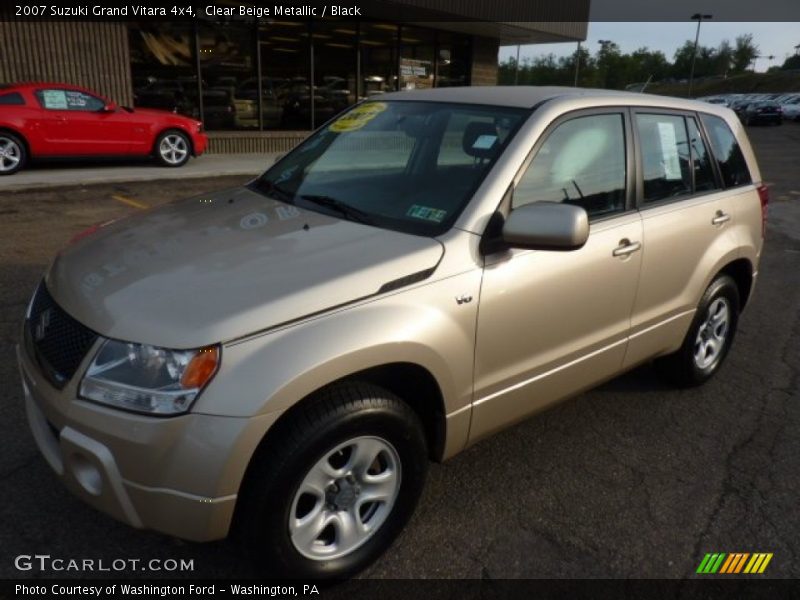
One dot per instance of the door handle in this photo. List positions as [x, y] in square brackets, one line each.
[626, 247]
[720, 218]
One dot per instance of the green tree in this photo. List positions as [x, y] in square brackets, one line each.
[744, 53]
[793, 62]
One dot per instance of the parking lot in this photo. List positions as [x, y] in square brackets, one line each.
[634, 479]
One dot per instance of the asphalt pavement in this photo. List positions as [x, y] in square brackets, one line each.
[632, 480]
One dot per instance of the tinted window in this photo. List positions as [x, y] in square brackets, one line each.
[68, 100]
[12, 98]
[582, 162]
[701, 160]
[727, 152]
[665, 156]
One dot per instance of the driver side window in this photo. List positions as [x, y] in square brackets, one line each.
[582, 162]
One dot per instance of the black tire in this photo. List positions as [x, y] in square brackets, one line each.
[12, 148]
[181, 148]
[336, 415]
[681, 368]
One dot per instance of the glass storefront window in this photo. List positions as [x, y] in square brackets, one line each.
[416, 58]
[257, 75]
[226, 51]
[163, 67]
[285, 74]
[378, 42]
[334, 67]
[452, 59]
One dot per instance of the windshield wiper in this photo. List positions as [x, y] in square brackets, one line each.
[344, 209]
[273, 189]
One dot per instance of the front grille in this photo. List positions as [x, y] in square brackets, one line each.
[56, 340]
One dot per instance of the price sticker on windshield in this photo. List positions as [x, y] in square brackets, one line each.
[358, 117]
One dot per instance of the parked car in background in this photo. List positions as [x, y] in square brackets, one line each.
[49, 120]
[283, 359]
[762, 112]
[791, 109]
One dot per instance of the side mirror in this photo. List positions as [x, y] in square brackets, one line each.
[546, 226]
[110, 107]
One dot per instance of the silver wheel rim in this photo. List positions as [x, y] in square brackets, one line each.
[345, 498]
[712, 334]
[173, 149]
[10, 154]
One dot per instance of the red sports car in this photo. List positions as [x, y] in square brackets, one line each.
[60, 120]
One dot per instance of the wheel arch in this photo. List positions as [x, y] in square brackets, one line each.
[20, 135]
[741, 271]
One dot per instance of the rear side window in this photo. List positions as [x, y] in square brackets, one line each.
[582, 162]
[666, 156]
[11, 99]
[727, 152]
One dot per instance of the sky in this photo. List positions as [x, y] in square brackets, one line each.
[778, 39]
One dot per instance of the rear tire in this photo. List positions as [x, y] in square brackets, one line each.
[709, 337]
[304, 510]
[173, 148]
[13, 153]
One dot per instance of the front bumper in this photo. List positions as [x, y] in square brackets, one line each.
[179, 476]
[199, 143]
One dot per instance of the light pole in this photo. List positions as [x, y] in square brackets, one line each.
[516, 68]
[577, 64]
[602, 64]
[699, 18]
[797, 49]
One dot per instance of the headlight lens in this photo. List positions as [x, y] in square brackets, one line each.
[148, 379]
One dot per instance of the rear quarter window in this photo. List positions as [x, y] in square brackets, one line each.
[11, 99]
[727, 152]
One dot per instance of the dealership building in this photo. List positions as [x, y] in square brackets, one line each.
[259, 83]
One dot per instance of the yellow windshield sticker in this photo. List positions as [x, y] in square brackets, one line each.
[358, 117]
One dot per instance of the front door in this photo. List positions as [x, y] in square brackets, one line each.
[551, 323]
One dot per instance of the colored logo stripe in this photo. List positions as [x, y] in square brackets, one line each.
[734, 562]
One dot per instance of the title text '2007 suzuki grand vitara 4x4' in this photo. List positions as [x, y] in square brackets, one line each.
[282, 359]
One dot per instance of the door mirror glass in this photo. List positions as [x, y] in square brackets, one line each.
[547, 226]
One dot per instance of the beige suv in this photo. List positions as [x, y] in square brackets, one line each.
[281, 360]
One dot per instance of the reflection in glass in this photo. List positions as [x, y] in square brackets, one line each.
[378, 43]
[163, 68]
[226, 61]
[285, 73]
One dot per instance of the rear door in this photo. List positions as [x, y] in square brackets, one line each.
[687, 221]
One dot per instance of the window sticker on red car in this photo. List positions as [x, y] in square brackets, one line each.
[54, 99]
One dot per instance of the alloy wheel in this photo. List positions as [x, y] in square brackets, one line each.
[713, 333]
[173, 149]
[10, 154]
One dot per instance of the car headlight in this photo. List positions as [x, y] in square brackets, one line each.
[148, 379]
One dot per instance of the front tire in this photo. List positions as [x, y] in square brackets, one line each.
[13, 153]
[173, 148]
[333, 485]
[709, 337]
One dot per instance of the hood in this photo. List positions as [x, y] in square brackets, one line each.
[222, 266]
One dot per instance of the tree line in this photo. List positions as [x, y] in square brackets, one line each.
[610, 68]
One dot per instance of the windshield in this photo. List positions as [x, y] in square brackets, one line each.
[402, 165]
